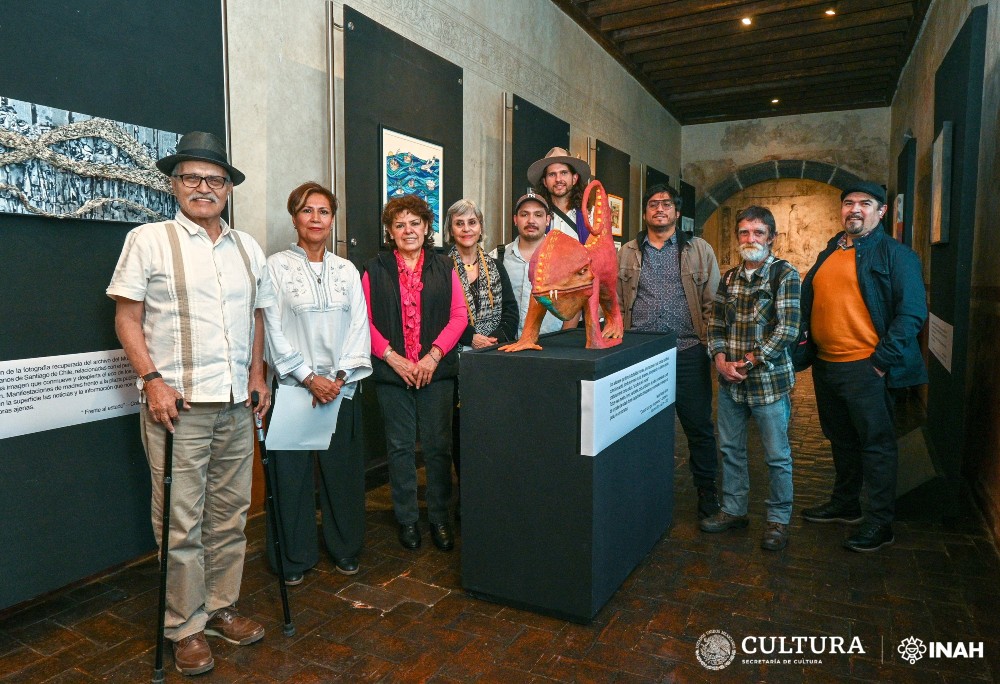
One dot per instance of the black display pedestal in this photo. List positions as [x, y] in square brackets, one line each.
[544, 527]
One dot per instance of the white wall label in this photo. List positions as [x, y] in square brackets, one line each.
[51, 392]
[618, 403]
[939, 338]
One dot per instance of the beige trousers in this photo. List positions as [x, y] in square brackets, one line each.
[209, 499]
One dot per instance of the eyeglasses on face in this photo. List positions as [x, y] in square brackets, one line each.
[657, 204]
[193, 180]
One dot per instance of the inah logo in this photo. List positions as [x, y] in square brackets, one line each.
[715, 649]
[912, 649]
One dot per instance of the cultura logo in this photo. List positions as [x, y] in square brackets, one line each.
[912, 649]
[715, 650]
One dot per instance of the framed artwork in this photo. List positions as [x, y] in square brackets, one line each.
[941, 185]
[413, 166]
[617, 205]
[62, 164]
[898, 217]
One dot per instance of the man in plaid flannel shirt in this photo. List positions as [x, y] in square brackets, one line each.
[754, 322]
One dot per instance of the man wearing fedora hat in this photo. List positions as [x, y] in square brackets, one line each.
[863, 304]
[560, 180]
[190, 294]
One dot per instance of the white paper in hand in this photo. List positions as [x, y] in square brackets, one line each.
[297, 426]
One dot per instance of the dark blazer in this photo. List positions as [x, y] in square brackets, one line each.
[892, 287]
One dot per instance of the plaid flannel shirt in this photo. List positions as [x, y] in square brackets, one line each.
[747, 319]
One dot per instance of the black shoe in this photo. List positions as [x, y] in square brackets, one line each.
[833, 513]
[442, 536]
[409, 536]
[708, 502]
[293, 579]
[722, 521]
[349, 566]
[870, 537]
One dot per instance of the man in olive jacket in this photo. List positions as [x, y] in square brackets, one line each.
[864, 303]
[667, 281]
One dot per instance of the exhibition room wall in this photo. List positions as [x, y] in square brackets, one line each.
[279, 113]
[913, 116]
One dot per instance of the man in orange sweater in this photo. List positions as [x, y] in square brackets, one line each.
[864, 303]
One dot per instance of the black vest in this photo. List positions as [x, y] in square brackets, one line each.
[387, 311]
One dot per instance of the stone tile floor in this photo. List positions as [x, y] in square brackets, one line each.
[405, 618]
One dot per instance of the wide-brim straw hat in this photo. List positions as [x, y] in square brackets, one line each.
[199, 146]
[558, 155]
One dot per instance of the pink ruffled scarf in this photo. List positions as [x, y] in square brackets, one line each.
[410, 286]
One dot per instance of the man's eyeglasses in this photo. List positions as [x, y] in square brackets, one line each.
[193, 180]
[658, 204]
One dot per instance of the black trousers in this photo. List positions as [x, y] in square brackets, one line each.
[856, 414]
[341, 490]
[694, 409]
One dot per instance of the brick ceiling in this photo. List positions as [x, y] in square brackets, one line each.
[701, 61]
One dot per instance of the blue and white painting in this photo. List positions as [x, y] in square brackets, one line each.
[63, 164]
[411, 166]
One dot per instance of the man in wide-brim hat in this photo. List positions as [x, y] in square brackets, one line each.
[190, 294]
[560, 179]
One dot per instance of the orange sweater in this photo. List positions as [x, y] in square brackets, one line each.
[840, 323]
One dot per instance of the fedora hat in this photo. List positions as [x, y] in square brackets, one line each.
[199, 146]
[558, 155]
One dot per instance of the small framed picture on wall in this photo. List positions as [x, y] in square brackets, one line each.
[412, 166]
[941, 185]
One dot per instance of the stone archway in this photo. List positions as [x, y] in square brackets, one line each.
[830, 174]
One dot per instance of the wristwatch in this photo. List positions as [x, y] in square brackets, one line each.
[148, 377]
[342, 376]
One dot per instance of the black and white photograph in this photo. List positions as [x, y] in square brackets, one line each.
[63, 164]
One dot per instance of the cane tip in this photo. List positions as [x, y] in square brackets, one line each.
[289, 629]
[158, 675]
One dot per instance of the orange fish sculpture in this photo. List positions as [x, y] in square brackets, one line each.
[568, 277]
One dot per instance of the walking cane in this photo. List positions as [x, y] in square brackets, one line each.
[168, 467]
[272, 516]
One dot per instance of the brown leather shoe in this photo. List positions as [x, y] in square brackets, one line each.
[234, 628]
[775, 536]
[192, 655]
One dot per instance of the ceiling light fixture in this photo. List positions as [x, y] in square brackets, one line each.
[746, 21]
[830, 12]
[774, 101]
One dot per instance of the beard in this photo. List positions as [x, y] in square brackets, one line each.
[754, 253]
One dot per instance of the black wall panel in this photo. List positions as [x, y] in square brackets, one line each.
[75, 501]
[612, 169]
[391, 81]
[535, 132]
[958, 96]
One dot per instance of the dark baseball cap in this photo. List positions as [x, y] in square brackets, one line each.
[531, 197]
[867, 187]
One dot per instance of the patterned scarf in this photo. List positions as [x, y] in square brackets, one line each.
[485, 320]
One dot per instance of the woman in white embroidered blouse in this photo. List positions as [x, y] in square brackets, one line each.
[318, 338]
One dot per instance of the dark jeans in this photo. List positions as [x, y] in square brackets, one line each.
[404, 411]
[856, 414]
[694, 408]
[341, 488]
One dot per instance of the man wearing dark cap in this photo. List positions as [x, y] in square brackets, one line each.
[531, 218]
[190, 294]
[863, 303]
[560, 180]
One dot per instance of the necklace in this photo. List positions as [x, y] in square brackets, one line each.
[469, 267]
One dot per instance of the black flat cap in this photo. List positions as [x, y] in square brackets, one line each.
[867, 187]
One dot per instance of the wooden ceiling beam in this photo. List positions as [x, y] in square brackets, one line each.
[770, 86]
[828, 107]
[774, 73]
[890, 34]
[787, 99]
[686, 14]
[872, 48]
[596, 9]
[767, 28]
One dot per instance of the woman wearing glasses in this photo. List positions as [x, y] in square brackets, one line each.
[317, 338]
